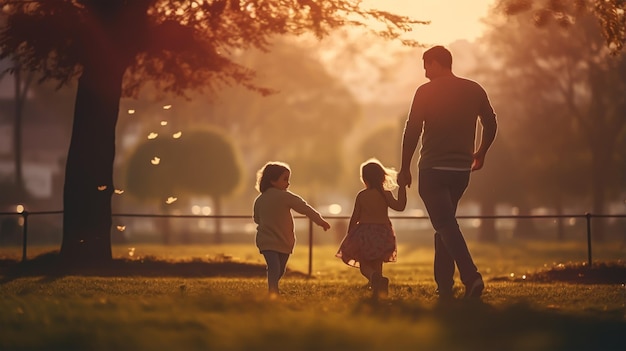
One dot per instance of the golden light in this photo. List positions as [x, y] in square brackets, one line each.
[334, 209]
[206, 210]
[167, 107]
[170, 200]
[102, 187]
[153, 135]
[177, 135]
[155, 160]
[19, 208]
[121, 228]
[163, 123]
[119, 191]
[417, 212]
[476, 223]
[131, 112]
[131, 251]
[195, 209]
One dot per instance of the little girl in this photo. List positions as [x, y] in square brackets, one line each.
[275, 236]
[371, 240]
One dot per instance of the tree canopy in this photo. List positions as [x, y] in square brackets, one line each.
[179, 45]
[610, 14]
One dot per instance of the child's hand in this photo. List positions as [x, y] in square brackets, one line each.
[325, 225]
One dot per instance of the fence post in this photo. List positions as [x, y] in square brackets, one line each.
[24, 235]
[588, 216]
[310, 248]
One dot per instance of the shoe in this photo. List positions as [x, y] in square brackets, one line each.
[445, 295]
[475, 289]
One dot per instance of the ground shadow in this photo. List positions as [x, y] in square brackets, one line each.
[49, 265]
[474, 325]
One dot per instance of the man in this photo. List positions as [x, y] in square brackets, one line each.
[444, 112]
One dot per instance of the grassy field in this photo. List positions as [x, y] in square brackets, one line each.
[184, 309]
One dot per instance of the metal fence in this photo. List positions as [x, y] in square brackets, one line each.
[588, 217]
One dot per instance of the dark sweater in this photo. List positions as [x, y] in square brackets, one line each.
[448, 109]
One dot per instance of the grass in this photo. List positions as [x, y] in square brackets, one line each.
[175, 298]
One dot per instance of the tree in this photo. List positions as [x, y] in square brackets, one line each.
[201, 162]
[568, 82]
[115, 47]
[610, 15]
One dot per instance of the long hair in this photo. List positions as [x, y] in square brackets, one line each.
[375, 175]
[269, 173]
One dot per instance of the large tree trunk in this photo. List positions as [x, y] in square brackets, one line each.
[89, 169]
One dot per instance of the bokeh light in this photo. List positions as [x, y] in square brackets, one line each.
[334, 209]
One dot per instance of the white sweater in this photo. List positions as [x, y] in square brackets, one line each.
[272, 214]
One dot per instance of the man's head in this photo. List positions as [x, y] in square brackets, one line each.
[437, 62]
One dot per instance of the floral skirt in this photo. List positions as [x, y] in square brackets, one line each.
[368, 242]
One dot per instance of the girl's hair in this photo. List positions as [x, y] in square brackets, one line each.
[270, 173]
[375, 175]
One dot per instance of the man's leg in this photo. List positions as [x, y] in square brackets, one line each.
[441, 192]
[444, 268]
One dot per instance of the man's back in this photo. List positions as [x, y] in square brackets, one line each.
[449, 107]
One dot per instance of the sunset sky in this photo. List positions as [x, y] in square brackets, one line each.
[450, 19]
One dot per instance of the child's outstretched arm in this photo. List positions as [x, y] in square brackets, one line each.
[299, 205]
[397, 204]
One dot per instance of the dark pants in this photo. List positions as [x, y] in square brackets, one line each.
[276, 267]
[441, 191]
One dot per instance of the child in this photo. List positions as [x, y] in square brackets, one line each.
[275, 236]
[371, 240]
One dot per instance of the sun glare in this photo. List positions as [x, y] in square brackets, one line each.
[155, 161]
[152, 135]
[449, 20]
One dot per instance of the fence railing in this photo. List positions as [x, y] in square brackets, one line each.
[587, 216]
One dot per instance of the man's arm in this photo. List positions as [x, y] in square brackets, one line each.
[410, 138]
[490, 127]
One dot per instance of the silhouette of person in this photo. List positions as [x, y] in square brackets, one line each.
[371, 240]
[444, 113]
[275, 236]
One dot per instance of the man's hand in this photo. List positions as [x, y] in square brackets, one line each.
[479, 161]
[404, 178]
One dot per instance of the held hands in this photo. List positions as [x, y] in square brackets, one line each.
[404, 178]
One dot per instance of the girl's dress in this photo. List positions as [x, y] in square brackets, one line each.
[368, 242]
